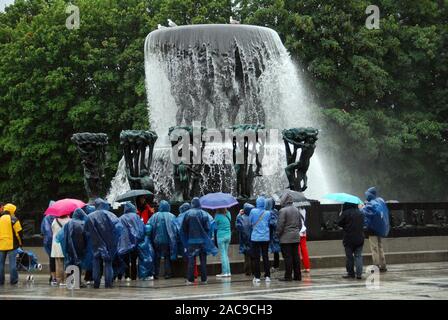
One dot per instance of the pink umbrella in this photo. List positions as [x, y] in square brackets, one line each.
[64, 207]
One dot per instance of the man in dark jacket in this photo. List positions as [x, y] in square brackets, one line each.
[288, 229]
[351, 220]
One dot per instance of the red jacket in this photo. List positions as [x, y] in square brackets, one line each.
[146, 213]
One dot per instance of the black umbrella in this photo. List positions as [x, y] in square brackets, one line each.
[132, 194]
[298, 198]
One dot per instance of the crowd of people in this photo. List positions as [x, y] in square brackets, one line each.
[131, 246]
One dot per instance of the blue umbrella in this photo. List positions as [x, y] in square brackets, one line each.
[343, 197]
[217, 200]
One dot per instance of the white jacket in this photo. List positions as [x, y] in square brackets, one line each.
[56, 249]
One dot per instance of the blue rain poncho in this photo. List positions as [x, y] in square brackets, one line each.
[145, 258]
[177, 225]
[161, 230]
[274, 242]
[197, 228]
[73, 240]
[244, 228]
[103, 229]
[47, 233]
[260, 224]
[133, 230]
[376, 214]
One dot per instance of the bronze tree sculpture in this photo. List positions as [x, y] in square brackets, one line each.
[245, 140]
[92, 150]
[134, 144]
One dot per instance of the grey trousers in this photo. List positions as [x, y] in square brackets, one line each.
[376, 246]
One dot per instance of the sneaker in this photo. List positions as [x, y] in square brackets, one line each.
[267, 279]
[88, 283]
[128, 279]
[204, 282]
[256, 280]
[189, 283]
[221, 275]
[228, 275]
[359, 277]
[150, 278]
[54, 283]
[62, 284]
[306, 270]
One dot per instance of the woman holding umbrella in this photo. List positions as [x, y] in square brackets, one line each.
[220, 202]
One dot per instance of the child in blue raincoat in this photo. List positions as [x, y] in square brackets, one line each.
[244, 228]
[45, 230]
[274, 242]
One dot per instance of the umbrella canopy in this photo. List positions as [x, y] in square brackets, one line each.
[298, 198]
[64, 207]
[132, 194]
[343, 197]
[217, 200]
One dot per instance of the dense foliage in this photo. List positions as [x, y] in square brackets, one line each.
[384, 92]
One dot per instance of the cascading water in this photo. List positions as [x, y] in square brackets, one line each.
[221, 75]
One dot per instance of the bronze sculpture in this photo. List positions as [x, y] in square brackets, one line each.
[245, 139]
[92, 150]
[134, 144]
[187, 172]
[304, 139]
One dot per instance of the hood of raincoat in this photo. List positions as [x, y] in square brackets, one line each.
[129, 207]
[101, 204]
[269, 204]
[10, 208]
[164, 206]
[79, 214]
[195, 203]
[348, 205]
[184, 207]
[287, 199]
[260, 203]
[88, 209]
[247, 207]
[371, 193]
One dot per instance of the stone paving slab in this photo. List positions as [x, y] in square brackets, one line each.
[423, 281]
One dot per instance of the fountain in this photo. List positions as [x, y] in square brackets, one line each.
[223, 76]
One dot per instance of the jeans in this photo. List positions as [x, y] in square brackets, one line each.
[13, 274]
[376, 246]
[354, 259]
[292, 262]
[223, 246]
[97, 272]
[193, 251]
[276, 260]
[262, 246]
[162, 250]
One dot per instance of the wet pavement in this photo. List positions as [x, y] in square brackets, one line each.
[406, 281]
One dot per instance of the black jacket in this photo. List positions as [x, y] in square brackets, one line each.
[351, 221]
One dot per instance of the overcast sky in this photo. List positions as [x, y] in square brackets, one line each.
[4, 3]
